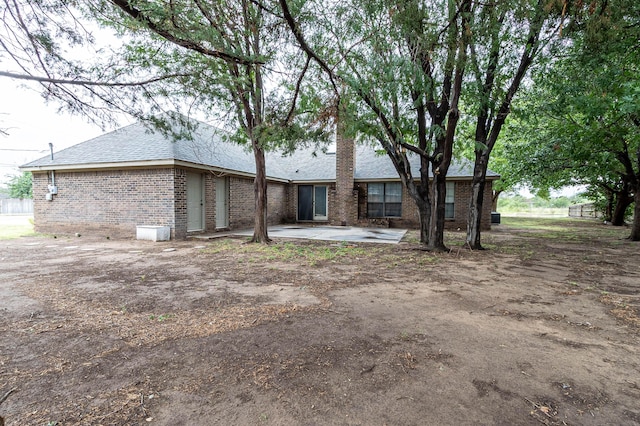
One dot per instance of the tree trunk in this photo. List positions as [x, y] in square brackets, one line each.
[494, 200]
[608, 211]
[635, 228]
[476, 202]
[436, 227]
[421, 196]
[623, 199]
[260, 234]
[424, 214]
[475, 215]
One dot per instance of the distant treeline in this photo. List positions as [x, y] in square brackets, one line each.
[510, 203]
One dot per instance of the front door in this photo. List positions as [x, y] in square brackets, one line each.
[312, 202]
[222, 202]
[195, 202]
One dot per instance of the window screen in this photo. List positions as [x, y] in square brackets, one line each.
[384, 199]
[449, 201]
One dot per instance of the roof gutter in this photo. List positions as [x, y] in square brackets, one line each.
[143, 165]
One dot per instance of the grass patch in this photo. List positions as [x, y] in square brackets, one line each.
[568, 229]
[311, 254]
[315, 253]
[160, 318]
[9, 232]
[538, 223]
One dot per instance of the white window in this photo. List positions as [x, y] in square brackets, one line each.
[384, 199]
[449, 201]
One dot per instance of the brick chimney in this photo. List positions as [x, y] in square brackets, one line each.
[346, 195]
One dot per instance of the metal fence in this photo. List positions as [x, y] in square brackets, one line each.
[583, 210]
[16, 206]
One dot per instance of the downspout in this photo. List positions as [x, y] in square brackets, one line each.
[53, 176]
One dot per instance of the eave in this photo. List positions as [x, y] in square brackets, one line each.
[138, 165]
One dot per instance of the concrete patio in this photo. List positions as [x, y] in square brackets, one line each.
[328, 233]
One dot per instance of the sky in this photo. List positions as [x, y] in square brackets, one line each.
[32, 124]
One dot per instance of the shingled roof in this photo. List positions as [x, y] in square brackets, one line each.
[138, 146]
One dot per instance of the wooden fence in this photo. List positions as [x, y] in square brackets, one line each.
[16, 206]
[584, 210]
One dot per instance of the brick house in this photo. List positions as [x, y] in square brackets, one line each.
[133, 176]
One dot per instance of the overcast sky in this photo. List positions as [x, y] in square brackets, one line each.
[32, 124]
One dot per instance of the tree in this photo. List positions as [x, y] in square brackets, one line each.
[195, 56]
[507, 39]
[400, 67]
[20, 186]
[49, 42]
[233, 48]
[408, 63]
[499, 163]
[588, 129]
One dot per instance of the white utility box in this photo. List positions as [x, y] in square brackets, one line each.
[153, 233]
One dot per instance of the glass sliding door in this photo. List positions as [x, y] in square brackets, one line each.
[313, 203]
[320, 203]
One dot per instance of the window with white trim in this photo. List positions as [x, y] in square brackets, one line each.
[449, 201]
[384, 199]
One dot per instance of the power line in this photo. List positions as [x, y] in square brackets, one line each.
[22, 150]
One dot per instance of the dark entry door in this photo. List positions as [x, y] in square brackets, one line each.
[305, 202]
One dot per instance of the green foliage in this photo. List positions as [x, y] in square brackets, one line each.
[397, 65]
[233, 68]
[579, 123]
[160, 318]
[21, 186]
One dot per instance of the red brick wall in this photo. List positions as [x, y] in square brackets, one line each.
[410, 218]
[209, 202]
[276, 203]
[180, 211]
[462, 198]
[291, 203]
[109, 203]
[242, 203]
[345, 205]
[113, 202]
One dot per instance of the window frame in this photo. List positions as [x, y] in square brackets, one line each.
[382, 201]
[450, 201]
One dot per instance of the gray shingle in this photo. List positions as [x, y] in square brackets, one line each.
[371, 165]
[305, 165]
[137, 143]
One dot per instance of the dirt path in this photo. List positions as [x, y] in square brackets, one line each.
[542, 329]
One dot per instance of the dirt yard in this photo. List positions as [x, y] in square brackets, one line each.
[541, 329]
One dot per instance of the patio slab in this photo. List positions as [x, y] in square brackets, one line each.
[327, 233]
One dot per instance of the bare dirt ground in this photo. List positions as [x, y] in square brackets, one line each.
[541, 329]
